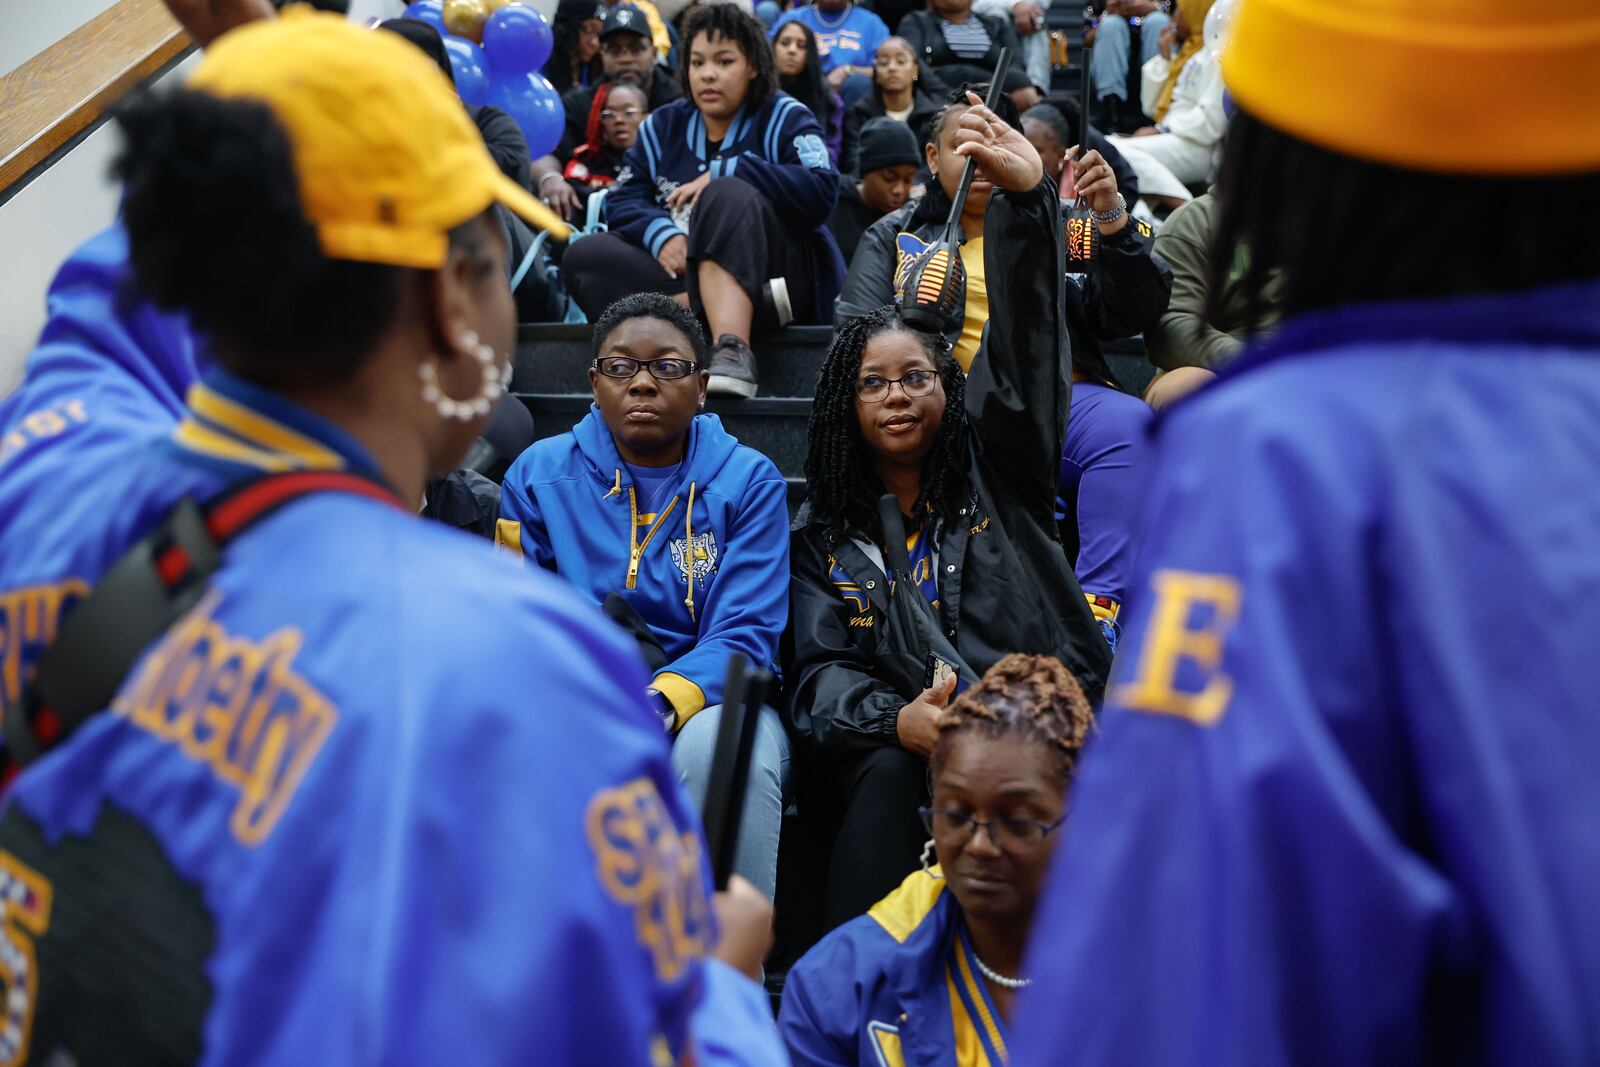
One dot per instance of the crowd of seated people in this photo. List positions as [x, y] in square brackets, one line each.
[942, 608]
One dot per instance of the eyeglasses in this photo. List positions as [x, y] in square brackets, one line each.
[1012, 835]
[637, 46]
[632, 111]
[665, 369]
[874, 388]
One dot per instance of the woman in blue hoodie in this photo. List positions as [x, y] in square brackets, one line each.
[657, 512]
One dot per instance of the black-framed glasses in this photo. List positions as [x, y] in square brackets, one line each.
[874, 388]
[665, 369]
[632, 111]
[952, 827]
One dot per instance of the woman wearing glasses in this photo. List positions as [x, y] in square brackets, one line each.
[972, 460]
[655, 511]
[613, 126]
[929, 976]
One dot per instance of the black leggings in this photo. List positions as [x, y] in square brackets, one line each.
[875, 797]
[732, 225]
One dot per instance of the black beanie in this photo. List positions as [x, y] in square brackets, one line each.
[886, 143]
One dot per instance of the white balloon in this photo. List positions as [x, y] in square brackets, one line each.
[1216, 28]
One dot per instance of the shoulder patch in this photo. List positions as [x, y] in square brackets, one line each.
[907, 247]
[812, 152]
[903, 910]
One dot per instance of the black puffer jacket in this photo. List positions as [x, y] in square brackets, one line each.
[1126, 294]
[1005, 585]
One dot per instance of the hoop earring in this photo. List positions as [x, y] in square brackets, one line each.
[928, 859]
[493, 387]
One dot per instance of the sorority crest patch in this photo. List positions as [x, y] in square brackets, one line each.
[908, 249]
[813, 153]
[703, 561]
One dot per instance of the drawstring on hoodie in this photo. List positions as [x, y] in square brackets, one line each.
[616, 489]
[688, 553]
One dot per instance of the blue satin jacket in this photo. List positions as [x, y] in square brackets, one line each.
[897, 987]
[316, 826]
[1343, 807]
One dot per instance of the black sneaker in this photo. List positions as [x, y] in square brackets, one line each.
[733, 368]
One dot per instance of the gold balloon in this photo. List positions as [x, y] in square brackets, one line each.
[465, 18]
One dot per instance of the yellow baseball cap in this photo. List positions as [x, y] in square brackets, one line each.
[1454, 86]
[387, 158]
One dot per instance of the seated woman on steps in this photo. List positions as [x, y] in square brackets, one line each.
[933, 969]
[723, 203]
[972, 460]
[655, 511]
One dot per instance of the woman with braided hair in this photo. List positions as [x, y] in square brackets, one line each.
[972, 460]
[928, 976]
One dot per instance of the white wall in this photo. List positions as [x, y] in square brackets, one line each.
[39, 226]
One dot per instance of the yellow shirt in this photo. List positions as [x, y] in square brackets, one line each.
[977, 309]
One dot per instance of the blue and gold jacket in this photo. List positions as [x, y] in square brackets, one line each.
[896, 987]
[777, 148]
[707, 570]
[1343, 805]
[313, 827]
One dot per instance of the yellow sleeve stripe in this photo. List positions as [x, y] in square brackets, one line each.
[685, 697]
[508, 535]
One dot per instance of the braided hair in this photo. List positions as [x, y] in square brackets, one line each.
[842, 486]
[1023, 695]
[728, 22]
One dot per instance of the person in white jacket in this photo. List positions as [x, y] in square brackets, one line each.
[1180, 148]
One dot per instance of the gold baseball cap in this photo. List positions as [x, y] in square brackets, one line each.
[387, 158]
[1452, 86]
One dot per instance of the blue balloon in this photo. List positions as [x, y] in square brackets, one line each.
[429, 11]
[517, 40]
[471, 70]
[536, 106]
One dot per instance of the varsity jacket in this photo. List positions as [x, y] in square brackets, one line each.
[1126, 292]
[899, 985]
[1341, 808]
[706, 570]
[1005, 583]
[275, 819]
[778, 149]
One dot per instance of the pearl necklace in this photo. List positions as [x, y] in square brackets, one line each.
[997, 978]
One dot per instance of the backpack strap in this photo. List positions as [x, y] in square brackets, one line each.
[139, 598]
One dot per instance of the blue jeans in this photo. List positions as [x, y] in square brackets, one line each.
[1109, 68]
[756, 854]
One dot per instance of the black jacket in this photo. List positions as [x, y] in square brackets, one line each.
[922, 31]
[503, 137]
[577, 101]
[1125, 295]
[869, 107]
[1005, 584]
[850, 217]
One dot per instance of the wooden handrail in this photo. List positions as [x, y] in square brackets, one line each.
[66, 89]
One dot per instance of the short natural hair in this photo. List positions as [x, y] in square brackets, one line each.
[651, 306]
[1030, 696]
[728, 21]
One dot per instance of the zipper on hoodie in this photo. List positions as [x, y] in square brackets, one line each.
[636, 551]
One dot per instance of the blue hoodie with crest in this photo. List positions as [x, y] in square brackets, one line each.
[708, 571]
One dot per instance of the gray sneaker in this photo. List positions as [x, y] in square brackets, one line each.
[733, 368]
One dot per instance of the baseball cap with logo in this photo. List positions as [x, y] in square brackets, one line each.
[625, 18]
[387, 158]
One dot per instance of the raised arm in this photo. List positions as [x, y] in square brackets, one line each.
[1019, 385]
